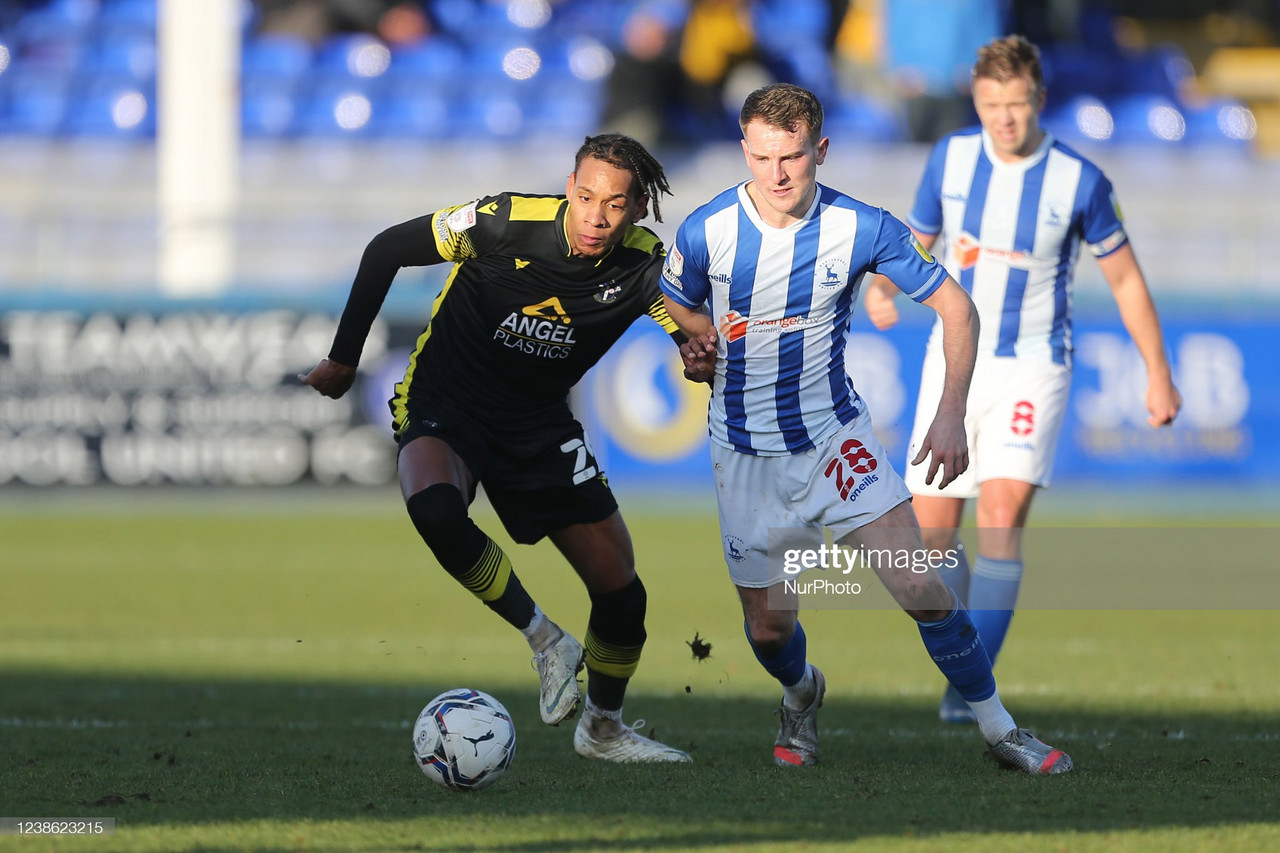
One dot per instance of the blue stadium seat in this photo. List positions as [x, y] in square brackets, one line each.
[267, 107]
[563, 107]
[1083, 119]
[496, 114]
[141, 14]
[119, 56]
[110, 108]
[352, 55]
[1221, 124]
[436, 61]
[32, 102]
[857, 116]
[1071, 70]
[456, 16]
[275, 56]
[421, 114]
[333, 113]
[1149, 120]
[1164, 71]
[126, 19]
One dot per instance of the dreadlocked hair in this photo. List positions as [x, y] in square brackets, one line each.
[625, 153]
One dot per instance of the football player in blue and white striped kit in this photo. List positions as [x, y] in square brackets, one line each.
[1012, 206]
[777, 261]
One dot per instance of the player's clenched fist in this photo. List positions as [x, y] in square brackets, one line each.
[329, 378]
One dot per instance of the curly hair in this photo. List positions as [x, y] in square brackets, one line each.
[627, 154]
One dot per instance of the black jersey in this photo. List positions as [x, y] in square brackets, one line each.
[520, 318]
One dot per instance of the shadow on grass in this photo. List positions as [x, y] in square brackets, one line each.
[185, 755]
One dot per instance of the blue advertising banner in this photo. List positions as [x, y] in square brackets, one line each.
[649, 425]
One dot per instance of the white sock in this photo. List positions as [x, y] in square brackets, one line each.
[798, 696]
[993, 720]
[601, 714]
[542, 633]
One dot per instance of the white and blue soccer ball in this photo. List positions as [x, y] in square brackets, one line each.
[464, 740]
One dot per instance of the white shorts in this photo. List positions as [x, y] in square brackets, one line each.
[846, 483]
[1014, 417]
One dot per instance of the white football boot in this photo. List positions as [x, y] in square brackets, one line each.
[607, 739]
[558, 669]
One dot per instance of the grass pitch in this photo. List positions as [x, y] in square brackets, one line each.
[245, 678]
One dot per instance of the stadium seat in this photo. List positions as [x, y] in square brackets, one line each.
[1082, 119]
[1071, 70]
[333, 113]
[1149, 120]
[110, 108]
[1165, 71]
[141, 14]
[421, 113]
[32, 102]
[490, 115]
[1222, 123]
[126, 20]
[266, 107]
[564, 107]
[865, 118]
[352, 55]
[120, 56]
[277, 56]
[435, 61]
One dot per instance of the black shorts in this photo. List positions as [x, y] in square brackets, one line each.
[542, 480]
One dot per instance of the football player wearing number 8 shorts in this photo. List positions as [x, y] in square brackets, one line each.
[1008, 207]
[763, 279]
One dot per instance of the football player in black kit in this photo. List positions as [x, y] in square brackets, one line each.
[541, 287]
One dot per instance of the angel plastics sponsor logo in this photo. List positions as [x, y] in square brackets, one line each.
[543, 330]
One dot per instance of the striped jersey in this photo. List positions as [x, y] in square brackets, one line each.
[781, 299]
[1011, 234]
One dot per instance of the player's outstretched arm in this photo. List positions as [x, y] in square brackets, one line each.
[945, 444]
[1138, 312]
[409, 244]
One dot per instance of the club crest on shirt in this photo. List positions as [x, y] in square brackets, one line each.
[607, 293]
[831, 272]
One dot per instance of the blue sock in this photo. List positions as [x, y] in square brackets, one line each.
[957, 651]
[957, 577]
[787, 665]
[991, 598]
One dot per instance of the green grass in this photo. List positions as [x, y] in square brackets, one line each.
[246, 680]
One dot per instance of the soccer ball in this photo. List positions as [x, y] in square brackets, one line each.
[464, 740]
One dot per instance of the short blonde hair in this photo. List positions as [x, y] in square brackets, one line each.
[1009, 58]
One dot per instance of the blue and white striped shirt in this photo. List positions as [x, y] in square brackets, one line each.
[781, 299]
[1012, 233]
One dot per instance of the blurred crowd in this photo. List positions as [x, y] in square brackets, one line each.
[668, 72]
